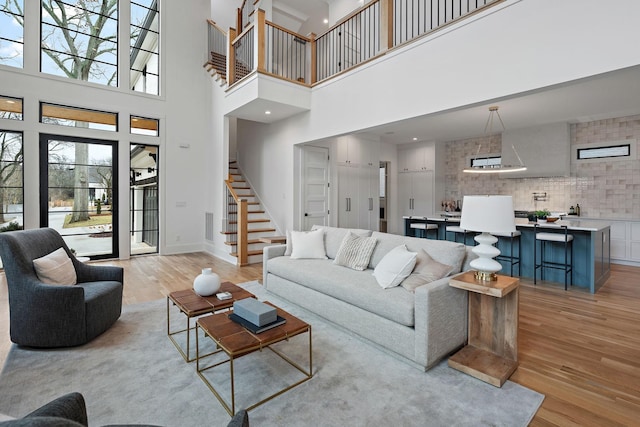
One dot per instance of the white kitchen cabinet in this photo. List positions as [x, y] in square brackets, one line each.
[618, 240]
[348, 195]
[358, 198]
[415, 158]
[415, 194]
[369, 191]
[625, 240]
[634, 241]
[348, 150]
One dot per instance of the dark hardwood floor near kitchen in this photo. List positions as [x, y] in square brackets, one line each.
[580, 350]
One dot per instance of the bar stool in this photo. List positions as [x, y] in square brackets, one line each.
[512, 258]
[553, 238]
[457, 230]
[423, 229]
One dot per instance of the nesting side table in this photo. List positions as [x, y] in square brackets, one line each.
[491, 353]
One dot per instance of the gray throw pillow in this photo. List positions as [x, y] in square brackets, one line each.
[425, 271]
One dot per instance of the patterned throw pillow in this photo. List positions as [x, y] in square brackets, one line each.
[355, 251]
[426, 271]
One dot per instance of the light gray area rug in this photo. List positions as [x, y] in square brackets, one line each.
[134, 374]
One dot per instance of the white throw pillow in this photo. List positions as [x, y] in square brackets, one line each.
[56, 268]
[394, 267]
[308, 244]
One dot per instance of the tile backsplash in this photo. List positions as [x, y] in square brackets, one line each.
[604, 189]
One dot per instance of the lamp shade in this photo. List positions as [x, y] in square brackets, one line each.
[488, 214]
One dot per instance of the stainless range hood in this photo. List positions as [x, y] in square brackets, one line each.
[545, 150]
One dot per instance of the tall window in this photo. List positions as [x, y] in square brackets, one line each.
[144, 52]
[11, 181]
[143, 199]
[79, 40]
[11, 32]
[78, 193]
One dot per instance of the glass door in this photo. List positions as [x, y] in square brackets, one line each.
[78, 193]
[143, 199]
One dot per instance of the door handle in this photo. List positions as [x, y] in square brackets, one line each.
[370, 203]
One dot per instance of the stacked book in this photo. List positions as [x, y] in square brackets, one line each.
[256, 316]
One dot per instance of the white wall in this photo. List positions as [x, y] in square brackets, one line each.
[182, 109]
[520, 46]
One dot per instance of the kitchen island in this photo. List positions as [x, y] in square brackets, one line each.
[591, 246]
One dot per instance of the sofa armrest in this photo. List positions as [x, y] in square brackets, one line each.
[272, 251]
[440, 320]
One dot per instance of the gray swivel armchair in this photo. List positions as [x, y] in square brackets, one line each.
[43, 315]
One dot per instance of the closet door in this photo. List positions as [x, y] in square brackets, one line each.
[369, 197]
[348, 203]
[423, 191]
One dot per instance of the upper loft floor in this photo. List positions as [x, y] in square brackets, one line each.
[400, 59]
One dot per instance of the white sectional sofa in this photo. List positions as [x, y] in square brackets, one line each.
[420, 327]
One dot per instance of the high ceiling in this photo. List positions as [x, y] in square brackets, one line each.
[608, 95]
[614, 94]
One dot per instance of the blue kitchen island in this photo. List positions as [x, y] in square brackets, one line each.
[591, 248]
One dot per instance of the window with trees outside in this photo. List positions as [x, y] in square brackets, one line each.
[11, 181]
[79, 40]
[12, 32]
[78, 193]
[144, 51]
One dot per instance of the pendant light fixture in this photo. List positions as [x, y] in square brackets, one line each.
[498, 168]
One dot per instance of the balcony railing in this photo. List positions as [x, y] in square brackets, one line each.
[413, 18]
[349, 43]
[217, 44]
[286, 54]
[362, 36]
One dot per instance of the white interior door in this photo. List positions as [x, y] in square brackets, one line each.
[315, 187]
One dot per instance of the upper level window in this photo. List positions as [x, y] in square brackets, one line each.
[604, 152]
[144, 50]
[11, 32]
[10, 108]
[144, 126]
[486, 162]
[79, 117]
[79, 40]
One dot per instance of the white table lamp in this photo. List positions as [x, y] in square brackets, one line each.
[487, 214]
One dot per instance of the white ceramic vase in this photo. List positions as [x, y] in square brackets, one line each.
[207, 283]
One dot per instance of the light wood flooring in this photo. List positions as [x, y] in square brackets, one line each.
[581, 351]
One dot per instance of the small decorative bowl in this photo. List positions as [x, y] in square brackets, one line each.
[552, 219]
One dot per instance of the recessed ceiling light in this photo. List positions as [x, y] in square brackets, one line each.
[415, 139]
[325, 20]
[267, 112]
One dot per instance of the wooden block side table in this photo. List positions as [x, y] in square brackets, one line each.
[491, 353]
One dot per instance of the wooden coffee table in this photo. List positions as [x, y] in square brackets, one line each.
[236, 341]
[193, 305]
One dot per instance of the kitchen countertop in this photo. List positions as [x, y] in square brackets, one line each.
[572, 224]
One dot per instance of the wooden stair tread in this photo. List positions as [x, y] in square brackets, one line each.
[257, 230]
[252, 221]
[250, 242]
[248, 203]
[255, 252]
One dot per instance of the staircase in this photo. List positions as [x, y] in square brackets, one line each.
[217, 67]
[259, 226]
